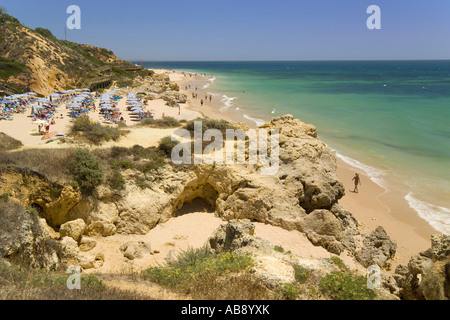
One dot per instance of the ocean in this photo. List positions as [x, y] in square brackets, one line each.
[390, 119]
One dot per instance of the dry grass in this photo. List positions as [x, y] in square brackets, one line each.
[18, 283]
[52, 165]
[8, 143]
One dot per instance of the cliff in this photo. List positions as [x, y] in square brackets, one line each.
[35, 60]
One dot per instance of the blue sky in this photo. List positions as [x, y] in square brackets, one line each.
[249, 29]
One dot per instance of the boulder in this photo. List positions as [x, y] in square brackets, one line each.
[378, 249]
[92, 261]
[73, 229]
[87, 244]
[135, 249]
[232, 236]
[324, 229]
[70, 251]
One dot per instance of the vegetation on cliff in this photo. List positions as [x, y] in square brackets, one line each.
[35, 60]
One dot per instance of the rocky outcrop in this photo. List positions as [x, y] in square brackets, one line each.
[378, 249]
[24, 238]
[73, 229]
[87, 244]
[135, 249]
[427, 274]
[232, 236]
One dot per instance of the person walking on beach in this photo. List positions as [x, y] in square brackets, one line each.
[201, 102]
[210, 98]
[357, 180]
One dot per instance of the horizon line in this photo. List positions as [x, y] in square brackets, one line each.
[275, 60]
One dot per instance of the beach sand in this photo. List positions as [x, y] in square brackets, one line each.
[374, 206]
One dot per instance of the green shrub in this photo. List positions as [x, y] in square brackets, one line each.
[300, 274]
[207, 124]
[122, 164]
[74, 184]
[116, 181]
[193, 264]
[339, 263]
[190, 257]
[432, 286]
[33, 211]
[94, 133]
[4, 197]
[87, 170]
[279, 249]
[290, 292]
[346, 286]
[166, 145]
[166, 122]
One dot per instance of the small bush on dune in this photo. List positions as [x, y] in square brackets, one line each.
[94, 133]
[166, 122]
[166, 145]
[221, 125]
[346, 286]
[204, 275]
[87, 170]
[116, 181]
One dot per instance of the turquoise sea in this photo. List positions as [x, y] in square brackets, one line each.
[391, 119]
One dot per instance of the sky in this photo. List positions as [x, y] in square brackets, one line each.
[220, 30]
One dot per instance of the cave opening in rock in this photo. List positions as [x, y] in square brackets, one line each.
[196, 205]
[199, 198]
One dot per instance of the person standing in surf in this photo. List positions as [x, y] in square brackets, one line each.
[357, 180]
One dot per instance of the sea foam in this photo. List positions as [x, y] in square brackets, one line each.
[376, 175]
[211, 82]
[438, 217]
[228, 102]
[259, 122]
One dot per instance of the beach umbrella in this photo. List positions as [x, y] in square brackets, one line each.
[31, 93]
[38, 107]
[42, 100]
[7, 102]
[74, 105]
[85, 89]
[138, 111]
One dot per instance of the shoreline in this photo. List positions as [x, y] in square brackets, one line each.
[373, 206]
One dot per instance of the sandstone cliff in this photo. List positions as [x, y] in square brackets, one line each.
[46, 64]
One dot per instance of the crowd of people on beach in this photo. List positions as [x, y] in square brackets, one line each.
[44, 112]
